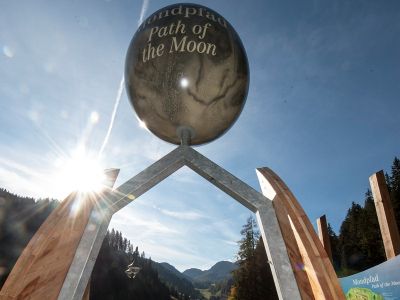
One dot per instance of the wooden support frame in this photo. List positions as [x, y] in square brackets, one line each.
[314, 272]
[76, 270]
[384, 211]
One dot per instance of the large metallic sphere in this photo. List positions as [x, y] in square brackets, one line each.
[186, 68]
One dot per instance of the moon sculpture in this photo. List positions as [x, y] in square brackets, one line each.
[186, 68]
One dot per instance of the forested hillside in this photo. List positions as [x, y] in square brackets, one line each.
[109, 280]
[175, 279]
[358, 246]
[215, 282]
[20, 217]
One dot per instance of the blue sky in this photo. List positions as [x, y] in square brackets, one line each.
[322, 111]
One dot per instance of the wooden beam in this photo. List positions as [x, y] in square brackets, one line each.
[317, 278]
[40, 270]
[384, 211]
[324, 235]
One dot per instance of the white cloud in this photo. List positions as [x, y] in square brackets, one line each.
[22, 179]
[14, 182]
[230, 243]
[182, 259]
[8, 51]
[143, 223]
[183, 215]
[143, 11]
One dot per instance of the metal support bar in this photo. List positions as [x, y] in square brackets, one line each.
[282, 272]
[183, 155]
[225, 181]
[79, 272]
[284, 279]
[85, 257]
[145, 180]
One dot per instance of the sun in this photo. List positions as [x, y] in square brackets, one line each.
[80, 172]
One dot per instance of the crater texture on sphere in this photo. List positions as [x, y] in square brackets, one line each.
[186, 68]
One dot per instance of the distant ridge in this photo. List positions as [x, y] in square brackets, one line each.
[192, 273]
[173, 278]
[220, 271]
[154, 281]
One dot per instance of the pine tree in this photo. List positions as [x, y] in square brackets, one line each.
[388, 183]
[253, 279]
[351, 255]
[334, 241]
[264, 279]
[136, 253]
[395, 176]
[112, 239]
[118, 245]
[371, 238]
[247, 244]
[360, 240]
[244, 277]
[124, 244]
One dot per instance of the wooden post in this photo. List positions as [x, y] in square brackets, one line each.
[384, 211]
[324, 235]
[86, 295]
[313, 270]
[40, 270]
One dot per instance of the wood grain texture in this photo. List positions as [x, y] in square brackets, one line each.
[318, 279]
[40, 270]
[384, 211]
[323, 235]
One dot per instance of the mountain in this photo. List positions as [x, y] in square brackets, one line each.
[220, 271]
[22, 216]
[175, 279]
[172, 269]
[192, 273]
[109, 280]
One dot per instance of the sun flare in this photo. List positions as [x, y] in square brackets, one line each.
[80, 172]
